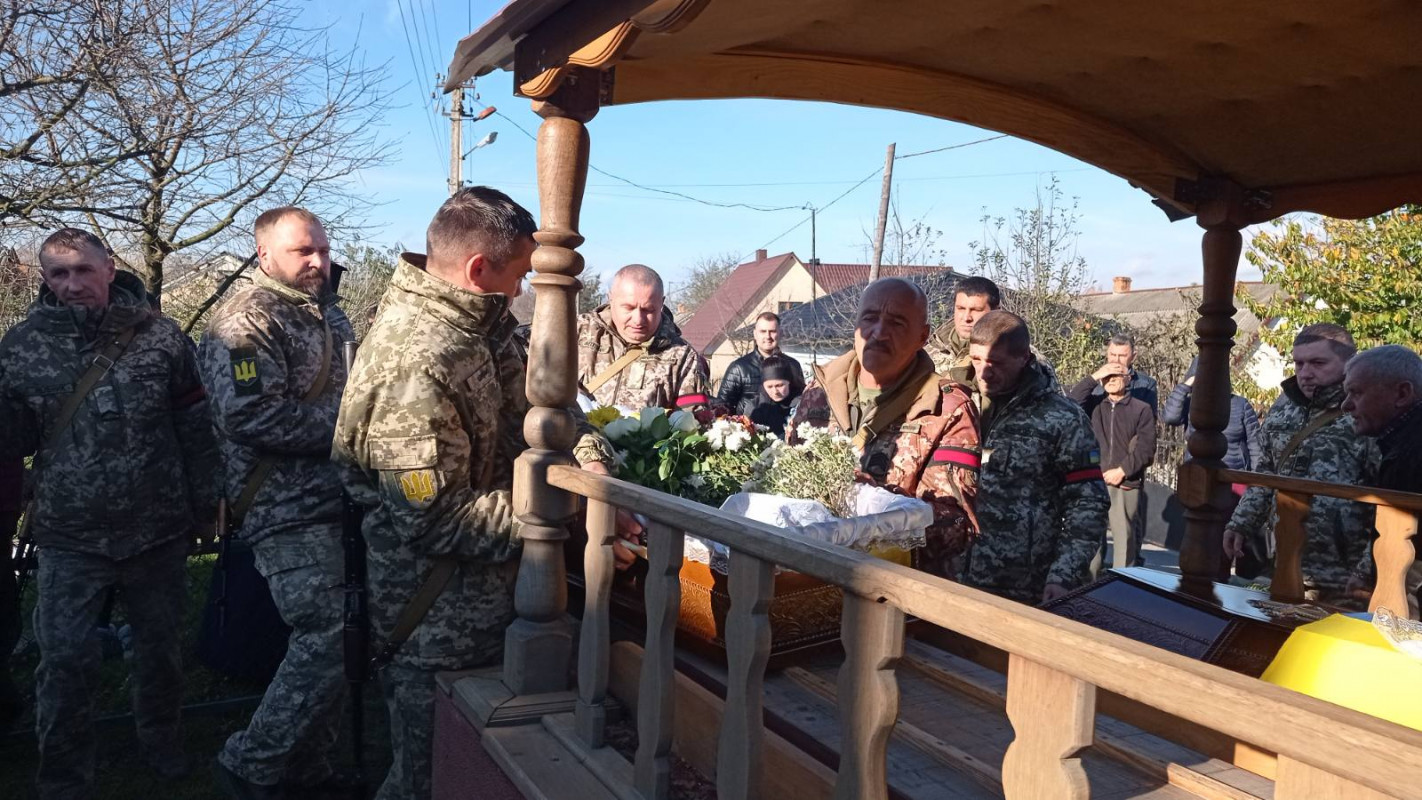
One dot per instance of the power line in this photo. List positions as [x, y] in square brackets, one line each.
[415, 65]
[950, 147]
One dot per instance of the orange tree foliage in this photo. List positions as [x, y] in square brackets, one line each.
[1365, 275]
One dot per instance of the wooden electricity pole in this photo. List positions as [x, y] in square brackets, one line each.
[456, 140]
[883, 216]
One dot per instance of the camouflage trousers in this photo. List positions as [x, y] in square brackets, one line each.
[409, 698]
[293, 732]
[152, 588]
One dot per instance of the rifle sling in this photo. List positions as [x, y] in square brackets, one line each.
[414, 611]
[98, 368]
[632, 354]
[263, 469]
[1319, 423]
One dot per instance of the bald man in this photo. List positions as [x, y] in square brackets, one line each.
[630, 352]
[915, 432]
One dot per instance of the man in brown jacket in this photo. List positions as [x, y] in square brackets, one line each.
[916, 432]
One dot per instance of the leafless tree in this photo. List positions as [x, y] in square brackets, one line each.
[907, 242]
[219, 109]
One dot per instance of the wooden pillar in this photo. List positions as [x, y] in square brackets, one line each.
[538, 646]
[868, 691]
[1204, 497]
[1053, 719]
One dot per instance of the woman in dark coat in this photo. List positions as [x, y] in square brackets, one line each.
[775, 404]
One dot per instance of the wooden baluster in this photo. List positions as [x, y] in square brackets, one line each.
[1296, 780]
[656, 695]
[1393, 553]
[1290, 540]
[739, 755]
[1053, 716]
[1202, 552]
[873, 635]
[589, 714]
[538, 646]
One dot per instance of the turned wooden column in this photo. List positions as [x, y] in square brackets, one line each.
[1204, 497]
[538, 646]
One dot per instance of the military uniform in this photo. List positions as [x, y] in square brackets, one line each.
[426, 440]
[930, 451]
[1041, 504]
[670, 374]
[947, 349]
[118, 499]
[1337, 530]
[262, 352]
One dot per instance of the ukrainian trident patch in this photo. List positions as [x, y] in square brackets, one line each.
[419, 487]
[245, 377]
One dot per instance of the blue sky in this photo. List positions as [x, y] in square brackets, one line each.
[799, 153]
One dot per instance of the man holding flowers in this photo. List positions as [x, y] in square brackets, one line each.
[915, 433]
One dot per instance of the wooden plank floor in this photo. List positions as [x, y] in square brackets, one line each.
[953, 732]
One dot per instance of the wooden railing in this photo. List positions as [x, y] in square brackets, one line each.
[1393, 551]
[1055, 668]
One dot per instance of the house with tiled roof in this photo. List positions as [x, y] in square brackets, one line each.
[777, 283]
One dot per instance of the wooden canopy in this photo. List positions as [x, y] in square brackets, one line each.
[1310, 105]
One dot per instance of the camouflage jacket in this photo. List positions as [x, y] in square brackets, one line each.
[137, 467]
[1042, 506]
[931, 452]
[261, 353]
[947, 349]
[426, 440]
[671, 374]
[1337, 531]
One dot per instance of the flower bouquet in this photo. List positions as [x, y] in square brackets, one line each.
[808, 487]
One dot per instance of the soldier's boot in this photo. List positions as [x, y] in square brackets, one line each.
[239, 788]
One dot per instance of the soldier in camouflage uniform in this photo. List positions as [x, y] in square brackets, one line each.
[264, 351]
[426, 440]
[916, 432]
[126, 485]
[1041, 504]
[1307, 435]
[669, 373]
[972, 298]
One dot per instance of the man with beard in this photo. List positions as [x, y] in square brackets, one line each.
[916, 433]
[1307, 434]
[271, 361]
[630, 352]
[105, 394]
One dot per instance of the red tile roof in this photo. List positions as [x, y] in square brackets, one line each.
[834, 277]
[723, 311]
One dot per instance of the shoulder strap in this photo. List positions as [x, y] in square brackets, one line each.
[632, 354]
[264, 467]
[414, 611]
[102, 363]
[887, 414]
[1319, 422]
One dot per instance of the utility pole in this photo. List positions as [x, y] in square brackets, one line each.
[456, 140]
[883, 215]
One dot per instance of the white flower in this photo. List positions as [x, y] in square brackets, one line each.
[620, 428]
[649, 415]
[683, 421]
[736, 439]
[696, 481]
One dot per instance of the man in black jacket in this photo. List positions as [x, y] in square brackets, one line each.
[741, 384]
[1383, 393]
[1125, 430]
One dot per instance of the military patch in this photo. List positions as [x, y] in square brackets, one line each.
[419, 487]
[1094, 457]
[245, 377]
[910, 427]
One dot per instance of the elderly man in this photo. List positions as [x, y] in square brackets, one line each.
[1383, 393]
[1042, 503]
[740, 386]
[1125, 430]
[915, 431]
[426, 439]
[972, 298]
[1120, 360]
[271, 361]
[630, 352]
[1307, 434]
[106, 395]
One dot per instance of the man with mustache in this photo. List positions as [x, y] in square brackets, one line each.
[916, 432]
[272, 362]
[630, 352]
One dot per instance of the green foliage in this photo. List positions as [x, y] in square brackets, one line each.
[1365, 275]
[368, 274]
[821, 467]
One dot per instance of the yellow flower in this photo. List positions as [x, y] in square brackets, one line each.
[600, 416]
